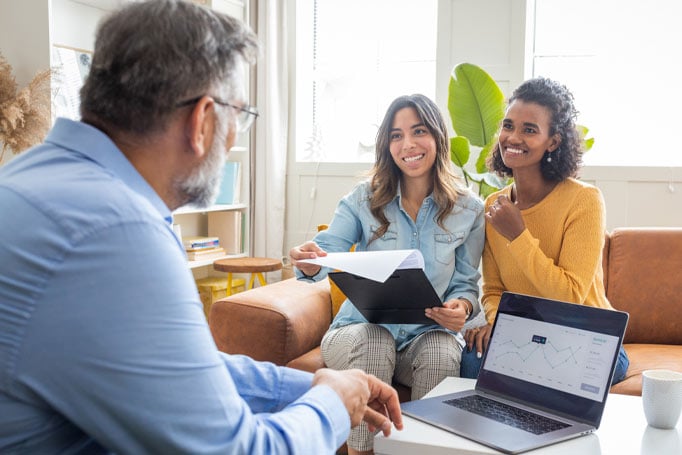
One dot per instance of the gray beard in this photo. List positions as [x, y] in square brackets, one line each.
[201, 187]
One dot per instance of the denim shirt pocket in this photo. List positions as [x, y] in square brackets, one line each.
[388, 241]
[445, 246]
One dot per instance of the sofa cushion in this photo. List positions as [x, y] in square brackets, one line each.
[645, 280]
[647, 357]
[287, 318]
[338, 297]
[310, 361]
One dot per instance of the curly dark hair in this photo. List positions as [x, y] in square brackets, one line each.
[385, 175]
[559, 101]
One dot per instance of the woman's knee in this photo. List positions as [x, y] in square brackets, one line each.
[359, 346]
[470, 364]
[438, 348]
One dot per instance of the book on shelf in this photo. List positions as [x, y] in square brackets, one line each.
[228, 226]
[208, 253]
[387, 287]
[231, 184]
[192, 243]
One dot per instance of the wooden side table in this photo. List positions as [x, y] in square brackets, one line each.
[255, 266]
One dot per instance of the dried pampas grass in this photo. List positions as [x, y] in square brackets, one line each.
[25, 113]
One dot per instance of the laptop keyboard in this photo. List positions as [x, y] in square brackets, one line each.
[509, 415]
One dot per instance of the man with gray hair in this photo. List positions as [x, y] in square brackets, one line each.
[103, 342]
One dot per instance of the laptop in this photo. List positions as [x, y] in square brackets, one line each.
[545, 376]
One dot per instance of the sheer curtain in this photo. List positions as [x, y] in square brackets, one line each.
[268, 168]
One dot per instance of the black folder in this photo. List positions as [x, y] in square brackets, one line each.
[401, 299]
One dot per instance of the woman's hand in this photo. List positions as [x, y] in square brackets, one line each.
[505, 218]
[309, 250]
[478, 338]
[452, 315]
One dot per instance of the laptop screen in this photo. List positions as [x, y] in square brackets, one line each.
[554, 355]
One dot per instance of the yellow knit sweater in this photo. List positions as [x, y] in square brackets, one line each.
[559, 254]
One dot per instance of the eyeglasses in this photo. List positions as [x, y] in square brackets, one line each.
[245, 114]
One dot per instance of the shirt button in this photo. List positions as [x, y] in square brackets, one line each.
[402, 332]
[414, 234]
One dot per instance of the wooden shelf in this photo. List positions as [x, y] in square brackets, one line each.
[205, 262]
[214, 208]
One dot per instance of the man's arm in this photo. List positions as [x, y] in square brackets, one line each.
[126, 355]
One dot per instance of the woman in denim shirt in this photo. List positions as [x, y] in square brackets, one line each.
[412, 200]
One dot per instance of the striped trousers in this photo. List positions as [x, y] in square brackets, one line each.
[425, 362]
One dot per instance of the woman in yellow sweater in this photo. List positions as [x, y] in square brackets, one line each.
[545, 231]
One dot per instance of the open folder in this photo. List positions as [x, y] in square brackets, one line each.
[387, 287]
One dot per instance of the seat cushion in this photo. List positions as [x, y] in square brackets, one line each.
[647, 357]
[310, 361]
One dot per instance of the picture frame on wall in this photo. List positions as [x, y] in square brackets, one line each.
[71, 67]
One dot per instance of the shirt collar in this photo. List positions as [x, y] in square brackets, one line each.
[398, 195]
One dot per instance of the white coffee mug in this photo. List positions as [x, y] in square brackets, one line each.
[662, 397]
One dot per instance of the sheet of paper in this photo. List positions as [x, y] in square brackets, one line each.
[375, 265]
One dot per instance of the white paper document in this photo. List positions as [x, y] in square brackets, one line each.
[375, 265]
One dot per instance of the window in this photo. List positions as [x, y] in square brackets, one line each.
[620, 58]
[353, 58]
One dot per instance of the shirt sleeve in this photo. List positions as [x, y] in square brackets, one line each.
[464, 282]
[492, 281]
[119, 346]
[569, 278]
[492, 285]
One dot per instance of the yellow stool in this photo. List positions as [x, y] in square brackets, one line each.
[255, 266]
[215, 288]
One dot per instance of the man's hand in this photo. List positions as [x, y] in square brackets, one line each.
[383, 407]
[309, 250]
[452, 315]
[478, 338]
[365, 397]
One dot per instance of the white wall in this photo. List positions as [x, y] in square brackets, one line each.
[639, 196]
[24, 32]
[74, 23]
[29, 28]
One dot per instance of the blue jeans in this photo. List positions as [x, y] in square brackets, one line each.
[470, 365]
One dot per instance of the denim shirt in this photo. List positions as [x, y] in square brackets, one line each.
[451, 255]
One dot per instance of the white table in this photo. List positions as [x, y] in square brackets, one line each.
[623, 430]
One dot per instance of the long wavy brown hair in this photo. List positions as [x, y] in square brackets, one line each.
[385, 175]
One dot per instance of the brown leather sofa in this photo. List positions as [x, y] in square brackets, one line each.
[285, 321]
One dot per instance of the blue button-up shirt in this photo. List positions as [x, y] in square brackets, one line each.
[451, 253]
[103, 342]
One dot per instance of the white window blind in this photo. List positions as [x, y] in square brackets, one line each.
[353, 57]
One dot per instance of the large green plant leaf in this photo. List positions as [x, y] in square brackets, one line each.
[475, 102]
[483, 155]
[459, 150]
[587, 142]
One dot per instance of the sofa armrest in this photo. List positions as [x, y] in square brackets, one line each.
[275, 323]
[645, 280]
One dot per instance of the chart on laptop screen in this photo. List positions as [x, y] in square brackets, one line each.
[564, 358]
